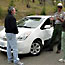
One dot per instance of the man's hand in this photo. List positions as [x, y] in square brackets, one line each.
[51, 18]
[60, 19]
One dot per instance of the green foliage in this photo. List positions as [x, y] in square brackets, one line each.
[55, 9]
[11, 3]
[57, 2]
[17, 0]
[30, 14]
[43, 11]
[1, 12]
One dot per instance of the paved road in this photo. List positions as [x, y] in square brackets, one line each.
[45, 58]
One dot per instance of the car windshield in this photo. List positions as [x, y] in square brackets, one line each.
[31, 22]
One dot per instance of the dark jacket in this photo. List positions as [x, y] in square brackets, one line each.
[10, 24]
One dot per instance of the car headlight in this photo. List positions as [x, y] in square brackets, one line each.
[23, 36]
[3, 38]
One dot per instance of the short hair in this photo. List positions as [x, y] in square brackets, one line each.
[10, 9]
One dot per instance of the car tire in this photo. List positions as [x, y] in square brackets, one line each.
[36, 48]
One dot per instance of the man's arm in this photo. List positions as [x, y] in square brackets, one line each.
[62, 20]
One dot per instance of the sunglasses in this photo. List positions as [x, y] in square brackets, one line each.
[60, 7]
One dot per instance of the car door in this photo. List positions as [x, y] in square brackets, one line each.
[46, 30]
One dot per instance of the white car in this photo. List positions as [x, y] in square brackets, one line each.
[33, 31]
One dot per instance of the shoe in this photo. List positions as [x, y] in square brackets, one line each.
[58, 51]
[61, 60]
[19, 63]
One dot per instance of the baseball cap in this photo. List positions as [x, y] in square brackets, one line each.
[59, 4]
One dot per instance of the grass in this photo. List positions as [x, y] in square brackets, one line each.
[20, 5]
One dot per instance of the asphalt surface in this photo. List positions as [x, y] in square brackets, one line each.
[45, 58]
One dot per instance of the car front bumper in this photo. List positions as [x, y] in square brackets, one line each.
[23, 48]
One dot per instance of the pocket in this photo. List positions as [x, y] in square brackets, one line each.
[9, 36]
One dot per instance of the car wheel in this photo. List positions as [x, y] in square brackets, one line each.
[36, 48]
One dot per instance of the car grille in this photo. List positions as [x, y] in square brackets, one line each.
[5, 39]
[5, 48]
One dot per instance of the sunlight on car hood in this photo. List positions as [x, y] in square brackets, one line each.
[24, 30]
[21, 32]
[2, 33]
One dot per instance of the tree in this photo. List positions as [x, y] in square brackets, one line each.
[27, 5]
[64, 3]
[40, 1]
[1, 12]
[44, 10]
[44, 6]
[33, 1]
[11, 3]
[55, 9]
[53, 2]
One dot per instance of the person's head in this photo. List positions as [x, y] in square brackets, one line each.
[11, 10]
[60, 6]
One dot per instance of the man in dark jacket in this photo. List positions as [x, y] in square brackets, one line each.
[11, 31]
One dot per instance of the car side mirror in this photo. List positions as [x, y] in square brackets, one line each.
[47, 26]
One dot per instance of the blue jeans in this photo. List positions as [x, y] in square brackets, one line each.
[12, 44]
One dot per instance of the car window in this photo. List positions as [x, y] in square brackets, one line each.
[34, 18]
[47, 22]
[32, 22]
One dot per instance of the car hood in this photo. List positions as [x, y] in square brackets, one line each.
[21, 31]
[24, 30]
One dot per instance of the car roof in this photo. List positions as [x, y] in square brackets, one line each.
[40, 16]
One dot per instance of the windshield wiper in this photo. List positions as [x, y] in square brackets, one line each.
[24, 26]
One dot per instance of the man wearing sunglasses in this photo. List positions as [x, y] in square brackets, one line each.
[59, 17]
